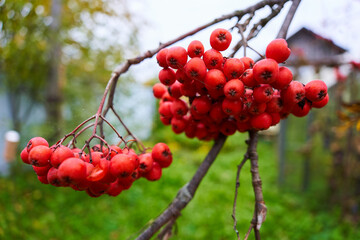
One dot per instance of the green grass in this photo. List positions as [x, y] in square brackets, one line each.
[31, 210]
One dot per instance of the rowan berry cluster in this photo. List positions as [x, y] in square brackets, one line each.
[211, 94]
[102, 170]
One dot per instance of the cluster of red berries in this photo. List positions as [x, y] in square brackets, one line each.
[211, 94]
[102, 170]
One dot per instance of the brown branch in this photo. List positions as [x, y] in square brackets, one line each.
[260, 207]
[263, 22]
[185, 194]
[288, 19]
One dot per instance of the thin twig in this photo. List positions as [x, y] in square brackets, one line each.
[263, 22]
[143, 148]
[237, 185]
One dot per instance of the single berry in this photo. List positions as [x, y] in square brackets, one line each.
[40, 155]
[72, 171]
[178, 125]
[158, 90]
[24, 155]
[146, 162]
[155, 173]
[179, 108]
[175, 90]
[195, 49]
[216, 113]
[248, 62]
[234, 89]
[176, 57]
[278, 50]
[284, 78]
[293, 93]
[301, 109]
[161, 58]
[167, 76]
[195, 69]
[213, 59]
[215, 80]
[232, 107]
[220, 39]
[161, 153]
[248, 78]
[201, 105]
[233, 68]
[321, 103]
[263, 93]
[122, 165]
[60, 154]
[36, 141]
[228, 127]
[266, 71]
[315, 90]
[261, 122]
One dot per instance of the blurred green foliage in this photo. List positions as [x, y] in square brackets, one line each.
[31, 210]
[87, 57]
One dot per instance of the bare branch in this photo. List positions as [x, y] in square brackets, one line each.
[289, 17]
[260, 207]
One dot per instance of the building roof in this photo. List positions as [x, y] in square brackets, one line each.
[309, 48]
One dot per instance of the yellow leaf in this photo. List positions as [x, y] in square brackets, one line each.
[352, 107]
[342, 116]
[358, 125]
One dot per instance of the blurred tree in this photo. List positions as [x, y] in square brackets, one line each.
[55, 50]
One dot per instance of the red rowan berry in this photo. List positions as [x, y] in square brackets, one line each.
[248, 78]
[232, 107]
[161, 153]
[315, 90]
[36, 141]
[293, 93]
[285, 76]
[215, 80]
[266, 71]
[263, 93]
[60, 154]
[155, 173]
[220, 39]
[158, 90]
[213, 59]
[122, 165]
[167, 76]
[278, 50]
[321, 103]
[176, 57]
[161, 58]
[40, 155]
[196, 69]
[195, 49]
[72, 171]
[233, 68]
[261, 122]
[248, 62]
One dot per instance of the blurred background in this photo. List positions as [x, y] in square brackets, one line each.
[55, 60]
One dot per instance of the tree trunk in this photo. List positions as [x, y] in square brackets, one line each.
[54, 98]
